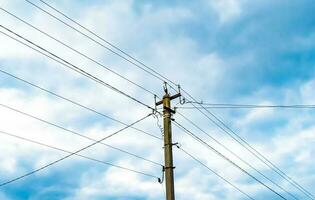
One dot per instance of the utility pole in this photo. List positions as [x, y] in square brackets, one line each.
[168, 145]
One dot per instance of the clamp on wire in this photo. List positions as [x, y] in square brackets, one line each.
[155, 107]
[165, 87]
[161, 180]
[182, 100]
[172, 144]
[178, 145]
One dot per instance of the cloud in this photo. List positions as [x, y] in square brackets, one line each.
[224, 63]
[306, 92]
[227, 10]
[119, 184]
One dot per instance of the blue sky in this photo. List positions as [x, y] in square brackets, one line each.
[221, 51]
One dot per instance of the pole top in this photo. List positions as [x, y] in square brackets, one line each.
[167, 95]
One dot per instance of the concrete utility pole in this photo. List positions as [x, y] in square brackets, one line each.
[168, 145]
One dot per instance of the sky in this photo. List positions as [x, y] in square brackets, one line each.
[220, 51]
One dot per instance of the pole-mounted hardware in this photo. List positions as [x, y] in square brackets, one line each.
[168, 145]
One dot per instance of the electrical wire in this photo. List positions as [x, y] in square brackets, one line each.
[237, 156]
[69, 152]
[74, 153]
[221, 106]
[129, 58]
[75, 66]
[76, 103]
[75, 50]
[249, 148]
[69, 65]
[93, 33]
[111, 44]
[214, 172]
[164, 78]
[77, 134]
[227, 159]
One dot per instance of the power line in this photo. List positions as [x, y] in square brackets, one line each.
[93, 33]
[70, 47]
[214, 172]
[257, 154]
[79, 72]
[109, 43]
[163, 77]
[129, 58]
[66, 151]
[226, 158]
[75, 103]
[173, 88]
[74, 153]
[222, 106]
[139, 64]
[69, 65]
[237, 156]
[249, 148]
[75, 69]
[78, 52]
[77, 134]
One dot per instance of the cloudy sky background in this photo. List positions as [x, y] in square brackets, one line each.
[221, 51]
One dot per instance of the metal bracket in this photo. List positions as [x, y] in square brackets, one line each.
[182, 99]
[169, 109]
[169, 168]
[173, 144]
[161, 180]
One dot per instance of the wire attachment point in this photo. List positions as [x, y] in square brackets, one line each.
[165, 88]
[178, 145]
[161, 180]
[182, 100]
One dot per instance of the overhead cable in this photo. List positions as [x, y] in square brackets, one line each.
[69, 65]
[214, 172]
[73, 153]
[76, 133]
[76, 103]
[238, 157]
[78, 52]
[226, 129]
[227, 159]
[65, 151]
[129, 58]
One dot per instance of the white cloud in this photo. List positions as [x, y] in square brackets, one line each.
[227, 10]
[180, 56]
[306, 92]
[118, 183]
